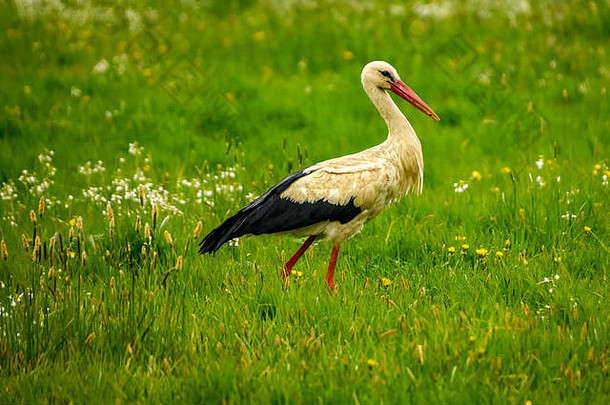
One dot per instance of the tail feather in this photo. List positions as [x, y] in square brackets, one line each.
[228, 230]
[237, 225]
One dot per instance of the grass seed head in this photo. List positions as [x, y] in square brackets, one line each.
[90, 338]
[147, 233]
[41, 205]
[71, 234]
[36, 250]
[138, 224]
[3, 250]
[168, 238]
[83, 258]
[110, 213]
[141, 195]
[33, 217]
[143, 251]
[198, 229]
[155, 215]
[179, 263]
[25, 243]
[52, 243]
[79, 224]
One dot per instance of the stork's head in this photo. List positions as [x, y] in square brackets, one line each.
[384, 76]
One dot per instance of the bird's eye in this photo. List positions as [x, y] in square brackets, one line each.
[387, 74]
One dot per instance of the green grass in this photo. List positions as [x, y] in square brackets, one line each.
[222, 99]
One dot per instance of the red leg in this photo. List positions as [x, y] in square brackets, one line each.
[293, 260]
[331, 268]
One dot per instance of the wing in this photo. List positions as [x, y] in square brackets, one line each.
[273, 212]
[340, 181]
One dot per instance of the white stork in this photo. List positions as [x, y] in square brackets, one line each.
[335, 198]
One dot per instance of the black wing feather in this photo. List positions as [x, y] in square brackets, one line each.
[271, 213]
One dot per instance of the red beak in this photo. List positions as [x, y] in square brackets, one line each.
[405, 92]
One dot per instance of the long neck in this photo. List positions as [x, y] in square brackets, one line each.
[402, 141]
[400, 129]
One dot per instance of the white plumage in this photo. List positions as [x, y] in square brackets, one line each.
[335, 198]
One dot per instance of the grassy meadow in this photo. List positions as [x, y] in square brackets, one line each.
[129, 129]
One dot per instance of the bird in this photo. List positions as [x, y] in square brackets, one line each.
[333, 199]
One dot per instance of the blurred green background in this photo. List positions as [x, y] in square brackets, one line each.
[183, 78]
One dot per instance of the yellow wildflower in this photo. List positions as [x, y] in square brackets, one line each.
[386, 282]
[557, 259]
[259, 36]
[72, 222]
[481, 252]
[587, 230]
[451, 249]
[507, 244]
[506, 170]
[347, 55]
[476, 175]
[465, 246]
[372, 363]
[499, 254]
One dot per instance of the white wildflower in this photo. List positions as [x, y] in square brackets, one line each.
[101, 66]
